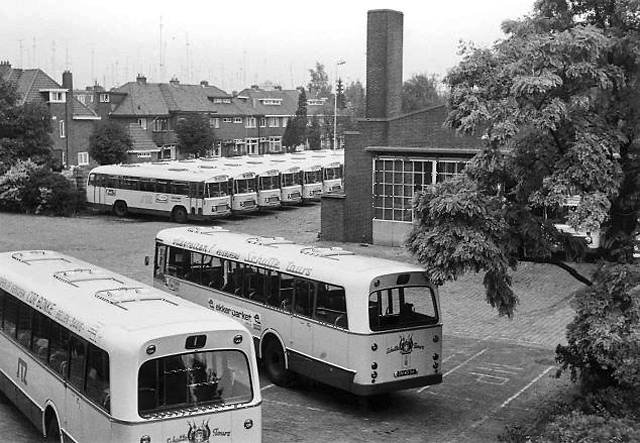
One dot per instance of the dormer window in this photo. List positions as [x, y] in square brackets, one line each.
[104, 98]
[57, 97]
[271, 101]
[217, 100]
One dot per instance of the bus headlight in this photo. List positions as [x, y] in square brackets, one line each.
[436, 356]
[435, 365]
[374, 375]
[145, 439]
[374, 365]
[248, 423]
[374, 347]
[436, 339]
[588, 239]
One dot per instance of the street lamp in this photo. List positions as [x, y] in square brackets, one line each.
[335, 105]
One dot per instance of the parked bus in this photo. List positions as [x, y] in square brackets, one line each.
[311, 177]
[268, 182]
[559, 218]
[164, 188]
[363, 324]
[290, 181]
[243, 185]
[91, 355]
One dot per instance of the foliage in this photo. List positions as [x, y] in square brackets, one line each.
[319, 86]
[195, 136]
[24, 130]
[604, 337]
[578, 427]
[289, 136]
[421, 91]
[31, 188]
[296, 131]
[109, 144]
[557, 104]
[314, 133]
[355, 99]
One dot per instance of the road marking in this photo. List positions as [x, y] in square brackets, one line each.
[513, 397]
[457, 367]
[517, 394]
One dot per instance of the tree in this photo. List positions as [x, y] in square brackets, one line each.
[109, 144]
[421, 91]
[24, 130]
[557, 104]
[300, 120]
[319, 86]
[355, 99]
[314, 133]
[289, 137]
[195, 136]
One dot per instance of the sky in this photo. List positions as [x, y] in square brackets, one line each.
[235, 44]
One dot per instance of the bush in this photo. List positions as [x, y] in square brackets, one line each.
[578, 427]
[604, 337]
[34, 189]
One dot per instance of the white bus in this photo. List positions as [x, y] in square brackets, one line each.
[311, 176]
[362, 324]
[268, 182]
[244, 185]
[164, 188]
[90, 355]
[290, 181]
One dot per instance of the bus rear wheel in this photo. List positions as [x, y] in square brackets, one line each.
[273, 358]
[120, 208]
[179, 214]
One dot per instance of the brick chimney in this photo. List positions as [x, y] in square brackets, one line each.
[67, 81]
[384, 63]
[141, 79]
[174, 81]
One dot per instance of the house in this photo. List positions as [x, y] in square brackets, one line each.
[73, 122]
[251, 122]
[391, 155]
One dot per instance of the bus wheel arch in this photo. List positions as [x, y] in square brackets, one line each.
[274, 358]
[52, 431]
[120, 208]
[179, 214]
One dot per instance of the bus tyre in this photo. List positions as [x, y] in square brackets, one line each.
[273, 357]
[53, 430]
[179, 214]
[120, 208]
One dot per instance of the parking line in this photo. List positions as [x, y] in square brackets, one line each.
[513, 397]
[457, 367]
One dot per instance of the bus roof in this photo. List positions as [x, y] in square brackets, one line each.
[98, 304]
[163, 171]
[329, 264]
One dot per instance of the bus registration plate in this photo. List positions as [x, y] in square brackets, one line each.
[405, 373]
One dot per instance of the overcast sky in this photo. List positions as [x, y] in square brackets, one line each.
[234, 44]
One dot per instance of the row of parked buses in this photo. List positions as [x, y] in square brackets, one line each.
[208, 188]
[91, 355]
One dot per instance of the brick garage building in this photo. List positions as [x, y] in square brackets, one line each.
[391, 156]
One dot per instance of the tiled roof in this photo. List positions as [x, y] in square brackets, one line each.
[147, 99]
[140, 139]
[29, 83]
[253, 99]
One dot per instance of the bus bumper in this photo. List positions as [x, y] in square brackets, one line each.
[373, 389]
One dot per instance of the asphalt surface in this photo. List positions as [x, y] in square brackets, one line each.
[497, 371]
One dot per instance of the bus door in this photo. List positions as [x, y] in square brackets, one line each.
[99, 183]
[196, 200]
[301, 325]
[75, 406]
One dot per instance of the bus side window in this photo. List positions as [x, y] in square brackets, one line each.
[40, 343]
[78, 350]
[303, 297]
[25, 312]
[59, 349]
[97, 387]
[331, 306]
[178, 262]
[10, 317]
[194, 271]
[286, 292]
[212, 272]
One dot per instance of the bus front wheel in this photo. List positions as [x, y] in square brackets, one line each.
[53, 429]
[274, 362]
[120, 208]
[179, 214]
